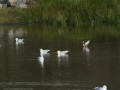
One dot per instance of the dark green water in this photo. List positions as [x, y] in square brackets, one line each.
[80, 69]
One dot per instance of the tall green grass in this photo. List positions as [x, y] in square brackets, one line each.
[62, 12]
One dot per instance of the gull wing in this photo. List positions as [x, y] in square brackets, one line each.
[87, 42]
[46, 50]
[21, 39]
[98, 88]
[65, 51]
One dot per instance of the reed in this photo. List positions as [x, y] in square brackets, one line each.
[62, 12]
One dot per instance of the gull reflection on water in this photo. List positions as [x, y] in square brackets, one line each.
[62, 59]
[86, 52]
[19, 43]
[46, 55]
[41, 61]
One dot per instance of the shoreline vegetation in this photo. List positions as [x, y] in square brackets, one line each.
[63, 12]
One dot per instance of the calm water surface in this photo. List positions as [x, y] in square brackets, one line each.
[81, 69]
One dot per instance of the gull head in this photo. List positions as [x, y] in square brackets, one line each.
[41, 50]
[16, 39]
[83, 42]
[104, 86]
[58, 51]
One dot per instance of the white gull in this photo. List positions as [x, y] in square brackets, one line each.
[19, 40]
[104, 87]
[62, 53]
[85, 44]
[44, 51]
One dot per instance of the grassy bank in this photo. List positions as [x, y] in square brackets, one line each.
[7, 15]
[62, 12]
[73, 11]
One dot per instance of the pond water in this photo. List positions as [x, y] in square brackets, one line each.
[81, 69]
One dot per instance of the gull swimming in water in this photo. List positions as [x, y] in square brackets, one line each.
[85, 44]
[61, 53]
[19, 40]
[104, 87]
[44, 51]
